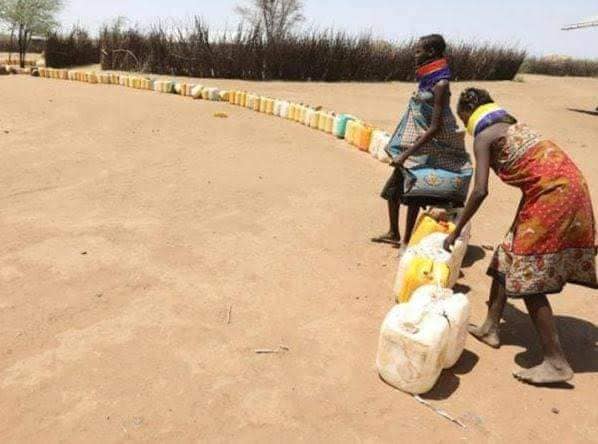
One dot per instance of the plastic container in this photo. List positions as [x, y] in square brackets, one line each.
[330, 123]
[213, 94]
[364, 137]
[351, 132]
[297, 112]
[249, 102]
[415, 271]
[302, 113]
[196, 91]
[306, 117]
[456, 308]
[262, 105]
[224, 96]
[269, 106]
[379, 141]
[291, 113]
[284, 109]
[427, 225]
[313, 119]
[340, 125]
[323, 118]
[421, 338]
[429, 263]
[255, 104]
[411, 348]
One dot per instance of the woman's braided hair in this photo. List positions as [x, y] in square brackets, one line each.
[472, 98]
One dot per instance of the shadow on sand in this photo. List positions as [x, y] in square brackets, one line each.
[578, 337]
[449, 380]
[474, 254]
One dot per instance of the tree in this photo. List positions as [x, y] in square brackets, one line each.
[25, 18]
[276, 18]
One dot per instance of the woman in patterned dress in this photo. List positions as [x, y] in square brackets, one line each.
[552, 240]
[428, 129]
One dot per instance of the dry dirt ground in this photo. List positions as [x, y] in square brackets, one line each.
[147, 249]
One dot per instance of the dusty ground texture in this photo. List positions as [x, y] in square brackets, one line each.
[147, 249]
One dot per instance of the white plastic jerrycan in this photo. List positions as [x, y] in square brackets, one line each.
[411, 347]
[455, 308]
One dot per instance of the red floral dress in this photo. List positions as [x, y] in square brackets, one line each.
[552, 240]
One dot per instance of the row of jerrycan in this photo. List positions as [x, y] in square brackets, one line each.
[137, 82]
[164, 86]
[51, 73]
[108, 78]
[344, 126]
[427, 330]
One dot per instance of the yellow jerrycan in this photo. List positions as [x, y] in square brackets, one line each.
[423, 271]
[428, 225]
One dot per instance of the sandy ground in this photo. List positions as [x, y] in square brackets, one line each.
[14, 57]
[133, 224]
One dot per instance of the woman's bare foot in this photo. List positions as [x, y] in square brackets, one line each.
[549, 372]
[388, 238]
[485, 334]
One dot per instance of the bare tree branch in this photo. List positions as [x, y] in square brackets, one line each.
[277, 18]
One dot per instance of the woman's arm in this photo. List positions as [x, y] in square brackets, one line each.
[441, 100]
[482, 146]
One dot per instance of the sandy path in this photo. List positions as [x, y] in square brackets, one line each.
[131, 223]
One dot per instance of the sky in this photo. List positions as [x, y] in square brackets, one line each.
[533, 25]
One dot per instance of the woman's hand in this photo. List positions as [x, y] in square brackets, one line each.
[450, 240]
[399, 160]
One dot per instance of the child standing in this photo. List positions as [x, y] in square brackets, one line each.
[429, 129]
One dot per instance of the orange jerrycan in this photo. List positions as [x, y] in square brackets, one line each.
[364, 138]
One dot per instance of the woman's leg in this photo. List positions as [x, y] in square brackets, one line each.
[488, 331]
[554, 367]
[392, 193]
[412, 213]
[393, 236]
[394, 207]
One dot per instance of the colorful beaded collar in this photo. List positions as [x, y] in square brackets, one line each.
[483, 117]
[432, 73]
